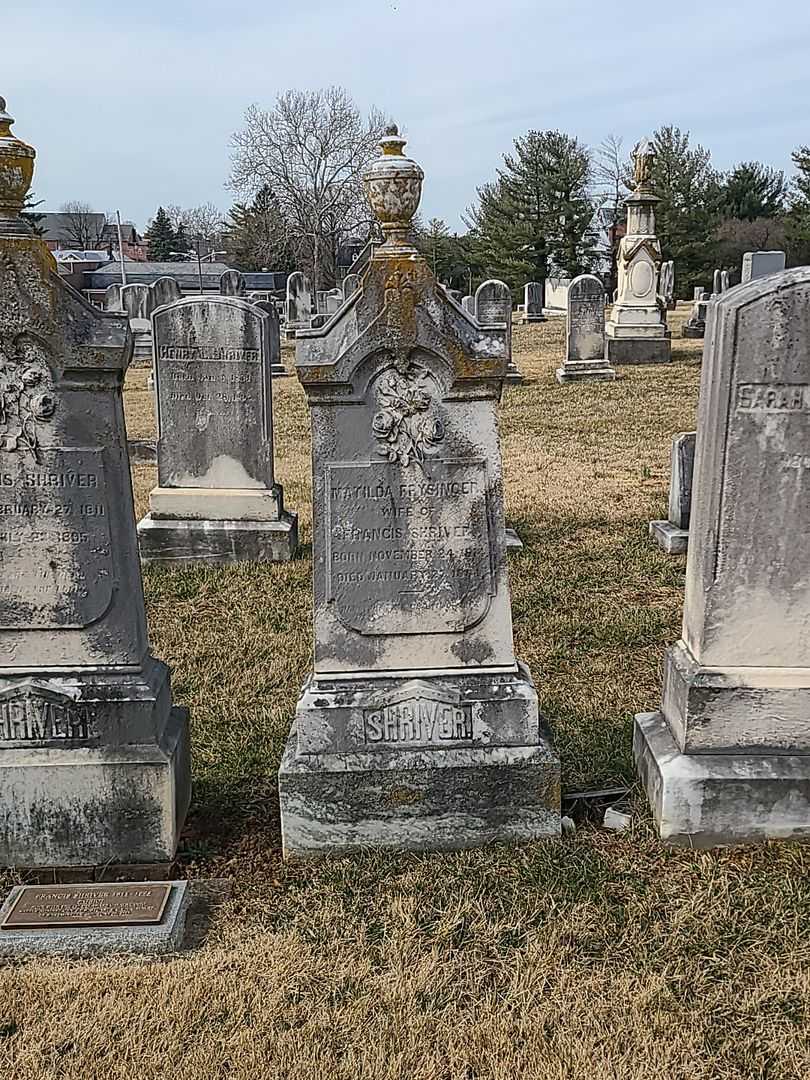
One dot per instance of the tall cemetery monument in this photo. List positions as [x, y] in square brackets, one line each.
[418, 729]
[637, 329]
[94, 759]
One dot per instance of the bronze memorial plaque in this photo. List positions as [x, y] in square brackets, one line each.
[39, 907]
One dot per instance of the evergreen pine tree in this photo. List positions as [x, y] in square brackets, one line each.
[160, 238]
[537, 216]
[256, 236]
[30, 215]
[798, 217]
[753, 190]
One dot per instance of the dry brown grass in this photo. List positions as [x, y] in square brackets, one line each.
[604, 956]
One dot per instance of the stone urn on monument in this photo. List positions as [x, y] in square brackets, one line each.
[636, 332]
[417, 728]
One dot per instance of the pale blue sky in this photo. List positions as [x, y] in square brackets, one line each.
[132, 105]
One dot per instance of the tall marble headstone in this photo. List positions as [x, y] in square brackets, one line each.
[493, 307]
[585, 337]
[232, 283]
[277, 369]
[418, 729]
[757, 264]
[637, 330]
[216, 500]
[299, 303]
[112, 298]
[534, 301]
[351, 283]
[727, 758]
[94, 760]
[137, 302]
[164, 291]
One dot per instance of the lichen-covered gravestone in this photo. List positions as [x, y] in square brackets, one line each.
[216, 500]
[418, 729]
[727, 759]
[164, 291]
[585, 333]
[493, 307]
[94, 760]
[534, 301]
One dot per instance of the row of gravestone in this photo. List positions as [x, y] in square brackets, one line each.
[417, 728]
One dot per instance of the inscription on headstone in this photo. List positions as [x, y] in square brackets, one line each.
[41, 906]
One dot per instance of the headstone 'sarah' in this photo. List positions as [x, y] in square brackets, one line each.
[418, 729]
[637, 330]
[94, 760]
[216, 500]
[727, 758]
[585, 338]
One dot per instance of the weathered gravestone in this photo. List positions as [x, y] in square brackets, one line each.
[468, 304]
[299, 303]
[351, 283]
[717, 284]
[672, 536]
[757, 264]
[94, 760]
[137, 302]
[277, 369]
[724, 281]
[232, 283]
[637, 331]
[695, 325]
[112, 298]
[534, 295]
[417, 729]
[164, 291]
[668, 284]
[493, 307]
[727, 759]
[216, 499]
[585, 338]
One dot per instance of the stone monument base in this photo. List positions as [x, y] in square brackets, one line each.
[704, 800]
[190, 542]
[670, 539]
[638, 350]
[585, 371]
[696, 332]
[84, 806]
[340, 791]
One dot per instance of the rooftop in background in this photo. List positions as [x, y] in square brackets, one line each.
[144, 273]
[80, 256]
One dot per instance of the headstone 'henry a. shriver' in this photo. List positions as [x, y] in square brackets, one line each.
[417, 729]
[727, 758]
[216, 500]
[585, 337]
[94, 761]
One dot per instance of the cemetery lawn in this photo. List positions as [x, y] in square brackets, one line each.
[601, 956]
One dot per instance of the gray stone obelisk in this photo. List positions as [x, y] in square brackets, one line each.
[94, 760]
[418, 729]
[727, 758]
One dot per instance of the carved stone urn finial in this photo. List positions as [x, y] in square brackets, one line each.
[16, 172]
[393, 185]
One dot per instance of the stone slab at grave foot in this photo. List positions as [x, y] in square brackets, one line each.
[417, 730]
[146, 918]
[672, 535]
[94, 759]
[585, 337]
[727, 757]
[216, 501]
[637, 331]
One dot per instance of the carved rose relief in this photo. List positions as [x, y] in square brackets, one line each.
[404, 424]
[26, 401]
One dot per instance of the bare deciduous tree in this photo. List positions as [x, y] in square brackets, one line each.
[82, 228]
[203, 222]
[310, 150]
